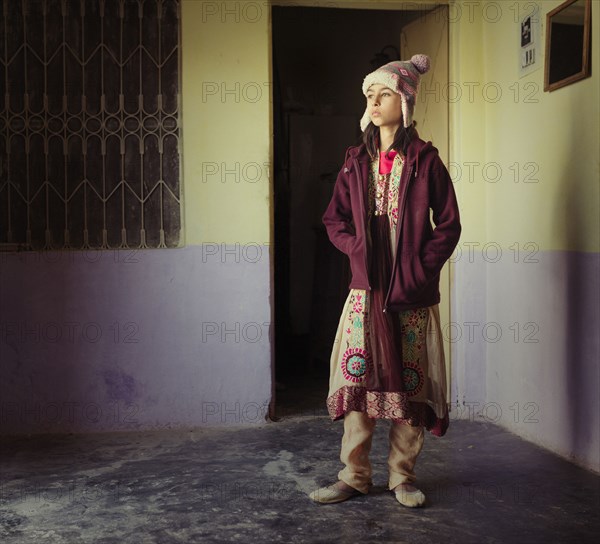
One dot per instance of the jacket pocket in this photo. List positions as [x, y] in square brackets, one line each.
[356, 254]
[410, 279]
[344, 243]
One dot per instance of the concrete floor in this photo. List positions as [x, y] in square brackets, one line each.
[249, 484]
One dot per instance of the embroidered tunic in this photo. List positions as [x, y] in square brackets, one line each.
[423, 400]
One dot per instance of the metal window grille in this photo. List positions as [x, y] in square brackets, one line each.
[90, 124]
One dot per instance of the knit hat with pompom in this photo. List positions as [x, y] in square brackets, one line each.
[402, 77]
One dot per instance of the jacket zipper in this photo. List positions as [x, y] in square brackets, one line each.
[362, 207]
[398, 232]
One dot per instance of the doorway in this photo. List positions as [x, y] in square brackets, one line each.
[318, 67]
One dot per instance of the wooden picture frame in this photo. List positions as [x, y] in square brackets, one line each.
[568, 30]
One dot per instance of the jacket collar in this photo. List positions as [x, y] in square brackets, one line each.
[417, 150]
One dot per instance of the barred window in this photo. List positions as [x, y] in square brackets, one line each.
[90, 124]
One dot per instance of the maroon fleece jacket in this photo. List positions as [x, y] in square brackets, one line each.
[421, 249]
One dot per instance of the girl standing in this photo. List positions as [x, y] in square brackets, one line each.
[388, 360]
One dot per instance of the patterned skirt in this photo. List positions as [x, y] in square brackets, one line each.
[389, 365]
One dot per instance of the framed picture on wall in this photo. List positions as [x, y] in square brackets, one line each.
[568, 29]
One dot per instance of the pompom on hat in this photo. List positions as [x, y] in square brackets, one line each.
[402, 77]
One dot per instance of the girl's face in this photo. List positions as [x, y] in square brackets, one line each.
[384, 106]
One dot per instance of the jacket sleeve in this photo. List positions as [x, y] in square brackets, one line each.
[338, 215]
[446, 218]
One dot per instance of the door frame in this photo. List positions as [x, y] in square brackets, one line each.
[372, 5]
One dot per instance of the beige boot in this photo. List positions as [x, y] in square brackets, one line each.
[410, 496]
[332, 493]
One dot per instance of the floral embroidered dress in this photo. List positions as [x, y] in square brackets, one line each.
[418, 394]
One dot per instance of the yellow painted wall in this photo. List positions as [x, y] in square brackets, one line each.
[226, 121]
[554, 138]
[467, 134]
[551, 137]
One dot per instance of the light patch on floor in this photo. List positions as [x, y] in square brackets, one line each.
[282, 467]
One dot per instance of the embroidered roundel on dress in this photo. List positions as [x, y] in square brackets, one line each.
[355, 362]
[413, 378]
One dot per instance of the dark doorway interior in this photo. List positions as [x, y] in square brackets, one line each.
[320, 57]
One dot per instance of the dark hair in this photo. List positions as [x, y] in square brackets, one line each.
[402, 139]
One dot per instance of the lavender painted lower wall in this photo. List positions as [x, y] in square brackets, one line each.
[532, 364]
[175, 338]
[117, 340]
